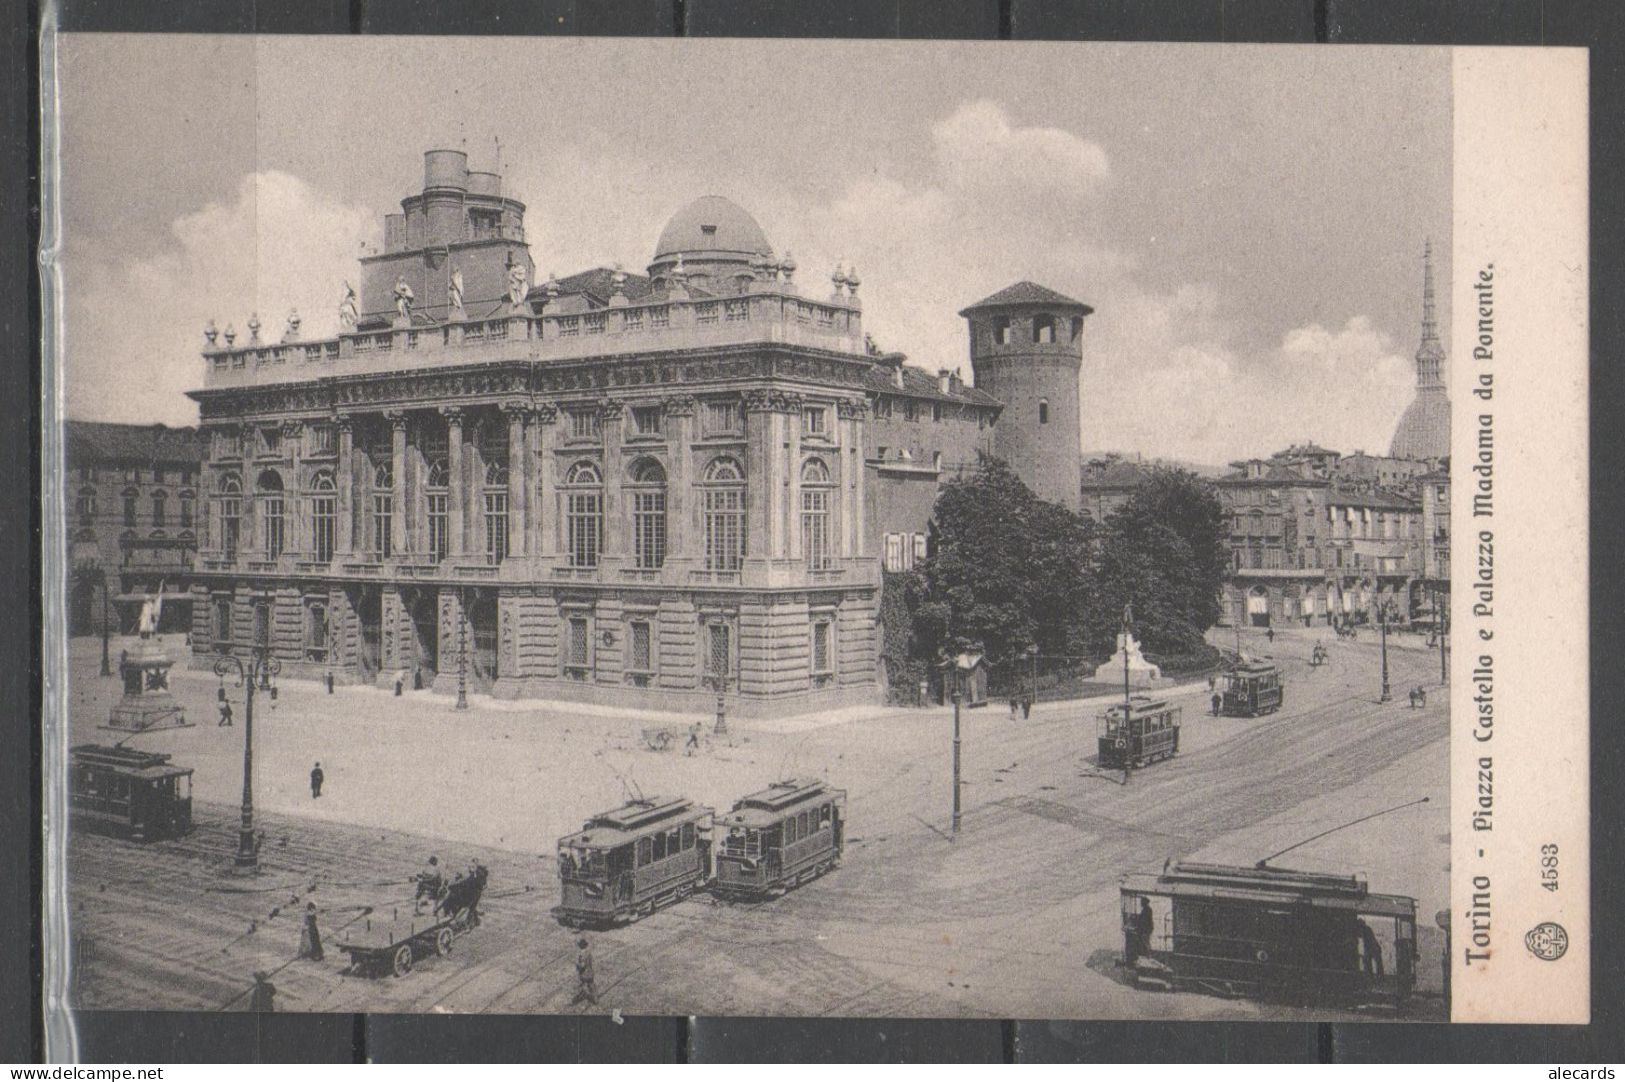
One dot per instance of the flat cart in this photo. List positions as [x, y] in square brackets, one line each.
[378, 946]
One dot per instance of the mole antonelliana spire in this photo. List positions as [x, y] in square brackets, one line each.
[1424, 429]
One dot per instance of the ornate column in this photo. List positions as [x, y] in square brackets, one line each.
[346, 484]
[454, 480]
[293, 500]
[397, 475]
[792, 467]
[853, 474]
[609, 422]
[515, 412]
[547, 486]
[763, 476]
[680, 497]
[530, 479]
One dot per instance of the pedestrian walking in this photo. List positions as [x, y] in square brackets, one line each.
[1015, 706]
[263, 998]
[1026, 706]
[693, 739]
[330, 681]
[1218, 701]
[310, 939]
[1212, 682]
[225, 715]
[584, 974]
[316, 779]
[1270, 635]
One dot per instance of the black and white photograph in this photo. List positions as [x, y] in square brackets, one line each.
[736, 527]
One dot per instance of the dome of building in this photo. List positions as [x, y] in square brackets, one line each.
[1424, 428]
[711, 224]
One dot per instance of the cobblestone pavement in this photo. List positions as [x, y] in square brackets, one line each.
[1017, 917]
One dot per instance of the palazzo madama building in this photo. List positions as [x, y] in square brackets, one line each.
[616, 487]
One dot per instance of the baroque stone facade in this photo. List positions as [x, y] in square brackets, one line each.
[625, 489]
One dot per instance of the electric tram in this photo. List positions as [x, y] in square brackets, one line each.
[625, 863]
[139, 794]
[1250, 689]
[1268, 933]
[779, 838]
[1139, 731]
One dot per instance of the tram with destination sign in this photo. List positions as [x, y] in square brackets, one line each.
[1268, 933]
[138, 794]
[779, 838]
[1251, 689]
[625, 863]
[1137, 732]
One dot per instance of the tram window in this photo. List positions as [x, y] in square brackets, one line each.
[688, 836]
[823, 814]
[660, 846]
[645, 850]
[674, 841]
[801, 826]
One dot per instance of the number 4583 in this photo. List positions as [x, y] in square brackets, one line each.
[1548, 866]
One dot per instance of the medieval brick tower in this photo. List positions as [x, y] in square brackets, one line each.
[1026, 350]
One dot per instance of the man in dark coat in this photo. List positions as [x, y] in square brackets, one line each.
[225, 714]
[584, 975]
[1141, 925]
[316, 777]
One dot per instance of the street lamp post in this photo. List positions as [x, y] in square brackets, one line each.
[255, 675]
[462, 651]
[720, 680]
[107, 666]
[956, 698]
[1441, 622]
[1382, 625]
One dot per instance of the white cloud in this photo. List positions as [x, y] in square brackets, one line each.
[978, 148]
[135, 327]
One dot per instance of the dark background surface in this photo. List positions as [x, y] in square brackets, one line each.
[146, 1037]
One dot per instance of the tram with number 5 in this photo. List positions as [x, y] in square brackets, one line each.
[625, 863]
[779, 838]
[1137, 732]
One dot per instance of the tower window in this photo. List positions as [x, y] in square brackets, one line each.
[1043, 411]
[1044, 329]
[1001, 330]
[1077, 327]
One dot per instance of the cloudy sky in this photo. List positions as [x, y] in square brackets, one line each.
[1247, 223]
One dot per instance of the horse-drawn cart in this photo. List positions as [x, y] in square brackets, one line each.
[662, 737]
[379, 946]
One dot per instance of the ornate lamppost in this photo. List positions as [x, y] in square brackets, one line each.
[255, 675]
[1382, 625]
[462, 650]
[107, 665]
[720, 682]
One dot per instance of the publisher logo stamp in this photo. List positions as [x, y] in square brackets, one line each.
[1547, 941]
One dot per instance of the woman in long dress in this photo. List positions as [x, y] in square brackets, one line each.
[310, 939]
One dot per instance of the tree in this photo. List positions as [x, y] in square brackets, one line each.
[1009, 570]
[1166, 550]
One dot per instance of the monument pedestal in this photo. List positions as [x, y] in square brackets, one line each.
[147, 701]
[1141, 673]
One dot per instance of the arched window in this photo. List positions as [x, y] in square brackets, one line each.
[724, 489]
[160, 501]
[324, 516]
[583, 514]
[436, 486]
[269, 489]
[648, 488]
[815, 500]
[1044, 329]
[383, 509]
[231, 514]
[1043, 411]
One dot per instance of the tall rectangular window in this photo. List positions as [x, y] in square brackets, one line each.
[129, 510]
[823, 657]
[383, 516]
[579, 648]
[649, 529]
[273, 527]
[186, 514]
[324, 439]
[316, 631]
[437, 525]
[815, 527]
[231, 524]
[583, 522]
[724, 529]
[642, 659]
[158, 509]
[323, 526]
[719, 653]
[262, 623]
[496, 527]
[222, 621]
[815, 421]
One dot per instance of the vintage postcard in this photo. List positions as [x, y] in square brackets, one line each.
[818, 528]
